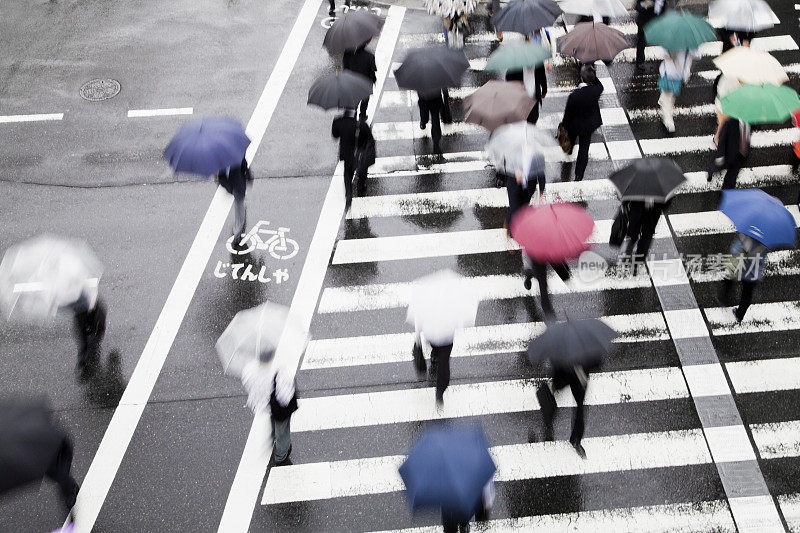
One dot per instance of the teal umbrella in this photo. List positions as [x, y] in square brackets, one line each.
[761, 104]
[517, 57]
[676, 30]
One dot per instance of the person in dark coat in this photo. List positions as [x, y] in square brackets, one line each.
[344, 129]
[60, 471]
[365, 156]
[235, 180]
[535, 269]
[361, 61]
[731, 39]
[576, 377]
[89, 323]
[732, 151]
[539, 89]
[646, 10]
[642, 220]
[430, 105]
[582, 116]
[749, 261]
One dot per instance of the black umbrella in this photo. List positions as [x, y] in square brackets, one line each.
[650, 178]
[29, 441]
[574, 342]
[352, 30]
[526, 16]
[340, 89]
[432, 68]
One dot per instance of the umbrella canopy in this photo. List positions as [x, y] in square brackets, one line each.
[40, 275]
[526, 16]
[441, 303]
[760, 216]
[206, 146]
[650, 178]
[589, 8]
[761, 104]
[574, 342]
[741, 15]
[751, 66]
[450, 8]
[254, 334]
[592, 41]
[339, 90]
[519, 148]
[552, 233]
[448, 467]
[29, 441]
[497, 103]
[676, 30]
[517, 57]
[352, 30]
[431, 68]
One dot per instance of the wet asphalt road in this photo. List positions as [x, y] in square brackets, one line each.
[97, 175]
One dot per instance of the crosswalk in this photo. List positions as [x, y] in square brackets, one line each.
[653, 462]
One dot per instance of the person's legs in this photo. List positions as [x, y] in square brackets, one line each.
[584, 141]
[332, 10]
[349, 169]
[729, 182]
[640, 43]
[533, 116]
[514, 191]
[547, 406]
[442, 370]
[666, 102]
[646, 236]
[282, 436]
[60, 471]
[748, 287]
[424, 113]
[363, 109]
[563, 271]
[540, 178]
[540, 271]
[436, 130]
[239, 218]
[449, 521]
[579, 393]
[725, 293]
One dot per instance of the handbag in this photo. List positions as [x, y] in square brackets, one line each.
[419, 359]
[670, 85]
[446, 113]
[619, 228]
[563, 138]
[281, 412]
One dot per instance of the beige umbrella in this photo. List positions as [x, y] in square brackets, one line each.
[497, 103]
[751, 66]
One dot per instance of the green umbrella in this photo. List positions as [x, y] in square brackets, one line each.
[517, 57]
[760, 104]
[676, 30]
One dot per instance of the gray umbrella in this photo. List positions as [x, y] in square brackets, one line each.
[340, 89]
[432, 68]
[574, 342]
[592, 41]
[526, 16]
[352, 30]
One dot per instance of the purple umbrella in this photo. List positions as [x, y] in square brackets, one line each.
[207, 145]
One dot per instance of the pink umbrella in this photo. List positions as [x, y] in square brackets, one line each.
[552, 233]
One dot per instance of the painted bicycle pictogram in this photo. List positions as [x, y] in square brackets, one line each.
[278, 245]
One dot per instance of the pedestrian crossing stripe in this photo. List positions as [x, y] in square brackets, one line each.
[704, 143]
[539, 460]
[760, 318]
[711, 75]
[765, 375]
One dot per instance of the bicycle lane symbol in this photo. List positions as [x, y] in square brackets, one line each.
[277, 244]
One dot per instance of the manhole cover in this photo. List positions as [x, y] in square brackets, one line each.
[100, 89]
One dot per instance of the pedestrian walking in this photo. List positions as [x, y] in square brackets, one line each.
[534, 78]
[536, 269]
[332, 4]
[344, 129]
[642, 221]
[674, 71]
[747, 264]
[646, 10]
[440, 363]
[576, 377]
[89, 324]
[582, 116]
[430, 106]
[731, 39]
[236, 180]
[732, 151]
[365, 156]
[520, 191]
[361, 61]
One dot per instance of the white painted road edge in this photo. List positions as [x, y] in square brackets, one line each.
[126, 417]
[31, 118]
[136, 113]
[255, 458]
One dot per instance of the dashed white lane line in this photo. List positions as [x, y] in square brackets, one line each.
[5, 119]
[137, 113]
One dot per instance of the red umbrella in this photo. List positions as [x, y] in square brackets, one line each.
[552, 233]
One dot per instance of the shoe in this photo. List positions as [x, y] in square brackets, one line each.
[422, 125]
[709, 176]
[439, 401]
[532, 437]
[347, 203]
[331, 13]
[736, 314]
[72, 496]
[527, 283]
[579, 448]
[578, 178]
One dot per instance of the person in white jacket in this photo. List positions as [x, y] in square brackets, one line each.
[674, 71]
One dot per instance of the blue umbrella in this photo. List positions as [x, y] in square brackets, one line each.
[207, 145]
[448, 467]
[760, 216]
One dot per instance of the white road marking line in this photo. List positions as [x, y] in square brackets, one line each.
[706, 380]
[708, 222]
[764, 375]
[699, 517]
[375, 475]
[714, 48]
[135, 113]
[777, 440]
[5, 119]
[790, 503]
[469, 342]
[790, 68]
[775, 316]
[690, 111]
[704, 143]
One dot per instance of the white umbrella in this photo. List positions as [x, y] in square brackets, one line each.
[741, 15]
[450, 8]
[751, 66]
[40, 275]
[519, 148]
[441, 304]
[253, 334]
[601, 8]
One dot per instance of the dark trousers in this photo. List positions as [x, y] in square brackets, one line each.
[641, 43]
[60, 472]
[540, 273]
[584, 141]
[90, 326]
[729, 181]
[533, 116]
[748, 288]
[641, 235]
[441, 356]
[349, 170]
[431, 113]
[362, 109]
[451, 522]
[561, 378]
[518, 197]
